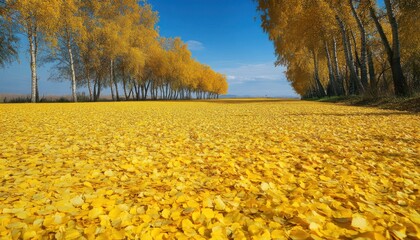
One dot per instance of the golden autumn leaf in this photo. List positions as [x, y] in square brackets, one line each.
[207, 213]
[297, 233]
[265, 186]
[360, 222]
[166, 213]
[29, 234]
[95, 212]
[219, 204]
[72, 234]
[77, 201]
[278, 234]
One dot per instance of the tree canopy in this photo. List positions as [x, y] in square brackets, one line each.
[346, 47]
[107, 44]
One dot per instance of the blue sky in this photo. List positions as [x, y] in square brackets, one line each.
[224, 34]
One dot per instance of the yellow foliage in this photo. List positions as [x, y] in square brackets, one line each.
[228, 169]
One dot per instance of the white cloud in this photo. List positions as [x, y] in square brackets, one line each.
[253, 72]
[256, 80]
[194, 45]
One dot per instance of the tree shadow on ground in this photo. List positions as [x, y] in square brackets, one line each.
[357, 114]
[240, 101]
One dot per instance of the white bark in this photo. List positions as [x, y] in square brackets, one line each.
[32, 51]
[318, 84]
[400, 83]
[73, 74]
[338, 77]
[348, 54]
[332, 80]
[363, 49]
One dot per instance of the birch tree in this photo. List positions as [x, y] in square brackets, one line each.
[363, 43]
[339, 39]
[101, 44]
[69, 25]
[37, 19]
[392, 49]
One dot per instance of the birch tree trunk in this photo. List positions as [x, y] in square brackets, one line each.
[32, 51]
[349, 58]
[147, 89]
[94, 89]
[358, 86]
[116, 84]
[320, 88]
[143, 91]
[125, 87]
[400, 82]
[363, 47]
[338, 77]
[373, 84]
[394, 58]
[331, 89]
[89, 85]
[136, 89]
[97, 89]
[111, 78]
[73, 74]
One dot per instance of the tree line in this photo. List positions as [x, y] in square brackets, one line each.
[349, 47]
[101, 44]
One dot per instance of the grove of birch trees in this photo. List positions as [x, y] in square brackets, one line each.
[105, 44]
[349, 47]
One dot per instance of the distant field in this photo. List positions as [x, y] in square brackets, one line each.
[226, 169]
[4, 97]
[7, 97]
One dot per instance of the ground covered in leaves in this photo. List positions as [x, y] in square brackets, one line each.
[411, 104]
[251, 169]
